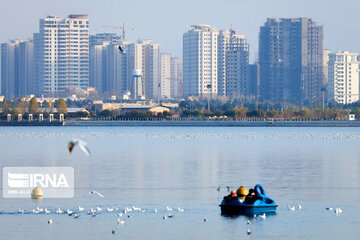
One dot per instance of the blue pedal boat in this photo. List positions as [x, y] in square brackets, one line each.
[233, 206]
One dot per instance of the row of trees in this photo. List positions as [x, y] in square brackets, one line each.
[32, 107]
[242, 112]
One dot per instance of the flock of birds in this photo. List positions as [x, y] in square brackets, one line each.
[126, 213]
[121, 213]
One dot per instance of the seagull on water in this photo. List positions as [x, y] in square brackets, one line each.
[50, 221]
[262, 216]
[82, 145]
[291, 208]
[80, 209]
[169, 208]
[329, 208]
[59, 211]
[338, 210]
[110, 209]
[299, 206]
[119, 221]
[180, 209]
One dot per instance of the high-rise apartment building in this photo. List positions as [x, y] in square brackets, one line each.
[165, 69]
[104, 37]
[200, 61]
[145, 56]
[236, 81]
[17, 68]
[291, 59]
[62, 54]
[343, 85]
[176, 77]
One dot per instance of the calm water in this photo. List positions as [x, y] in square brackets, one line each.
[183, 167]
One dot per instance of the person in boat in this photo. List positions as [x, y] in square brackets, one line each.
[241, 193]
[251, 197]
[231, 196]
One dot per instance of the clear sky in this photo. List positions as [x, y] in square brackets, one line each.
[165, 21]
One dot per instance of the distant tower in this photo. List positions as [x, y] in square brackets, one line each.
[138, 85]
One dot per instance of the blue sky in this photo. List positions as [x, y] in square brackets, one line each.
[165, 21]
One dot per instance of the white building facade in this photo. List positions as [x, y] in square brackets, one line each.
[145, 56]
[343, 77]
[62, 54]
[200, 61]
[165, 83]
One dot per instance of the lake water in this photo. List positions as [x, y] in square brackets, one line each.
[154, 167]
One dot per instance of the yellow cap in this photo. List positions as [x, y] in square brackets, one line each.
[242, 191]
[37, 193]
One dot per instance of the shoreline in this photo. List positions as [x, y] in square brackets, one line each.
[184, 123]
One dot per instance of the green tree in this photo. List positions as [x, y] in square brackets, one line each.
[61, 106]
[5, 107]
[33, 106]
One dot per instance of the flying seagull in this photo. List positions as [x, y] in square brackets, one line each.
[95, 192]
[122, 50]
[82, 145]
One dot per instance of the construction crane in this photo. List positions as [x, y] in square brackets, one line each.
[123, 27]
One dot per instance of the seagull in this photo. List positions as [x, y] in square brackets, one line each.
[329, 208]
[119, 221]
[98, 209]
[76, 216]
[338, 210]
[120, 214]
[95, 192]
[180, 209]
[169, 208]
[299, 206]
[21, 211]
[263, 216]
[47, 211]
[113, 232]
[248, 222]
[80, 209]
[205, 220]
[155, 210]
[110, 209]
[170, 215]
[122, 50]
[50, 221]
[129, 216]
[136, 208]
[59, 211]
[69, 211]
[291, 208]
[82, 145]
[164, 217]
[248, 232]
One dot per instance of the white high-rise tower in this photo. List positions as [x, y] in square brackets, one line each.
[62, 54]
[200, 49]
[343, 84]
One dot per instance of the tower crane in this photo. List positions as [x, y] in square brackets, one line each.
[123, 27]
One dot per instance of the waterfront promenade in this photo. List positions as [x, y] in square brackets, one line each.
[184, 122]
